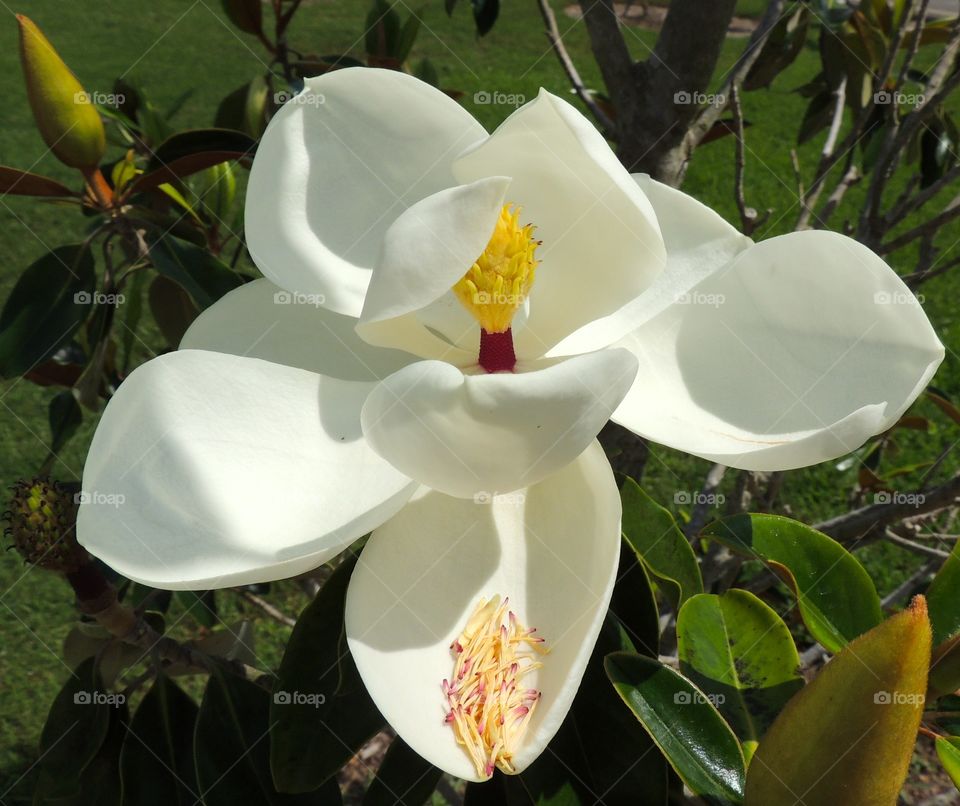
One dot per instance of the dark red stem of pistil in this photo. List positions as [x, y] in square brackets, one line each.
[496, 351]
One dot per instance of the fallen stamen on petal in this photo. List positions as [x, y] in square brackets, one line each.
[489, 711]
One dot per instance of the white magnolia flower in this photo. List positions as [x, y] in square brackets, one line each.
[347, 392]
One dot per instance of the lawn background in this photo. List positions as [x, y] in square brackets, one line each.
[173, 45]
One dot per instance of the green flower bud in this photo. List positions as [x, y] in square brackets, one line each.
[69, 124]
[42, 523]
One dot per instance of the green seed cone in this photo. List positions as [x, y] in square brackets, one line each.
[42, 522]
[69, 124]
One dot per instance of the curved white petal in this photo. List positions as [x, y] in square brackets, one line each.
[209, 470]
[805, 346]
[337, 164]
[552, 550]
[425, 252]
[261, 320]
[471, 434]
[601, 242]
[698, 241]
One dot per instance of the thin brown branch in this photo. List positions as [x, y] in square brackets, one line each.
[573, 76]
[809, 202]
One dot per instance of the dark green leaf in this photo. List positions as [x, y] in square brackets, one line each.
[817, 117]
[943, 598]
[404, 778]
[622, 762]
[232, 748]
[200, 605]
[634, 604]
[321, 713]
[246, 108]
[172, 309]
[739, 651]
[204, 277]
[836, 597]
[65, 417]
[684, 724]
[781, 48]
[50, 300]
[76, 728]
[157, 760]
[187, 152]
[247, 15]
[485, 14]
[653, 534]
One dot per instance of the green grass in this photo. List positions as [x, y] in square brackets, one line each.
[171, 45]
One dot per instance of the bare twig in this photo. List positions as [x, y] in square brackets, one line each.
[917, 548]
[266, 607]
[556, 42]
[809, 202]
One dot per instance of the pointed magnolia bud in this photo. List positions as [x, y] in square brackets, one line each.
[67, 120]
[42, 522]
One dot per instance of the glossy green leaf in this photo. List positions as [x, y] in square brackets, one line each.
[739, 651]
[945, 667]
[817, 116]
[232, 749]
[77, 725]
[634, 604]
[321, 713]
[621, 760]
[204, 277]
[781, 48]
[948, 749]
[684, 724]
[403, 779]
[172, 309]
[848, 735]
[485, 13]
[246, 109]
[157, 760]
[654, 535]
[943, 598]
[50, 300]
[836, 597]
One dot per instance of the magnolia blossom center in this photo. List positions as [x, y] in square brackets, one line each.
[490, 707]
[498, 282]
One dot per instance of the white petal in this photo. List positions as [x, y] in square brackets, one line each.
[698, 241]
[552, 550]
[425, 252]
[337, 164]
[804, 347]
[209, 470]
[466, 434]
[601, 242]
[261, 320]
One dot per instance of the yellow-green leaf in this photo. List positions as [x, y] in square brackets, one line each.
[848, 736]
[948, 748]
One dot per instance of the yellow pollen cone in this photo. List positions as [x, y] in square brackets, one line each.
[848, 736]
[500, 279]
[69, 124]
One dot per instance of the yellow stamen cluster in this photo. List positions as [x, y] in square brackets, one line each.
[500, 279]
[490, 709]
